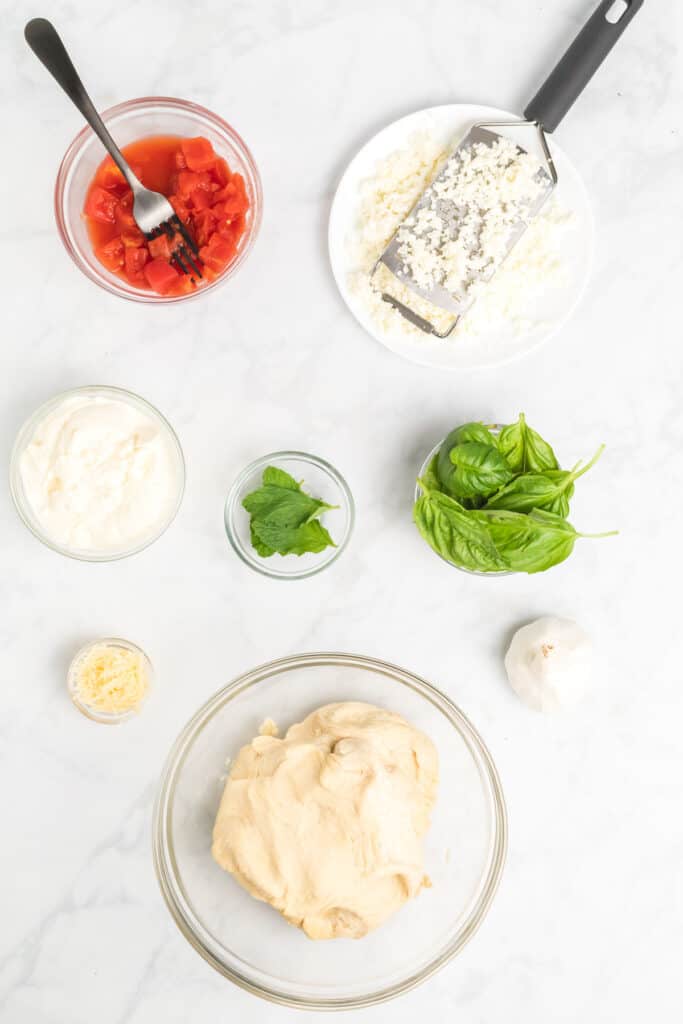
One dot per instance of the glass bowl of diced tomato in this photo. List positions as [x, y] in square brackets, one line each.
[190, 155]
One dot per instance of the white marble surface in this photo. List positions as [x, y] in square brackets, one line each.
[587, 924]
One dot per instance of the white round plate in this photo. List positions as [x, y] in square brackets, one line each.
[548, 311]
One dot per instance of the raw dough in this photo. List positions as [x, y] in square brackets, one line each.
[327, 823]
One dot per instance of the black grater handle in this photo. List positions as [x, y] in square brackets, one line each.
[583, 58]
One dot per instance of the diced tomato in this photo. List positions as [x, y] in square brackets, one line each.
[238, 181]
[132, 237]
[204, 223]
[201, 199]
[100, 205]
[109, 176]
[212, 264]
[135, 261]
[223, 249]
[231, 228]
[208, 198]
[183, 286]
[209, 274]
[160, 248]
[218, 252]
[221, 171]
[232, 205]
[123, 212]
[110, 254]
[180, 207]
[198, 153]
[161, 277]
[188, 181]
[227, 192]
[233, 197]
[224, 227]
[125, 222]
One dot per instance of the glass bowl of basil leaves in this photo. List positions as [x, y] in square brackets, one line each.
[289, 515]
[493, 500]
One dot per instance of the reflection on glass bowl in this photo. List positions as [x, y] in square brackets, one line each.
[250, 943]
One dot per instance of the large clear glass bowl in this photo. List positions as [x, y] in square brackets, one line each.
[246, 940]
[150, 115]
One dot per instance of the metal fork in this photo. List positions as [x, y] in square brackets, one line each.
[152, 212]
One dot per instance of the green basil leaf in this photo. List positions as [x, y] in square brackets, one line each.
[467, 432]
[284, 518]
[430, 481]
[293, 540]
[259, 547]
[550, 490]
[533, 490]
[524, 449]
[560, 504]
[470, 432]
[529, 543]
[477, 470]
[452, 532]
[278, 477]
[281, 505]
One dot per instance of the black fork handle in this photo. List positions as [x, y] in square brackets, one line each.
[45, 42]
[583, 58]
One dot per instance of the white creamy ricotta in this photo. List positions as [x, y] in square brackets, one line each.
[100, 474]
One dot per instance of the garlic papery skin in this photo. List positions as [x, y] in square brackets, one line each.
[550, 663]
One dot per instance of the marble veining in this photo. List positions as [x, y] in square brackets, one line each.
[587, 923]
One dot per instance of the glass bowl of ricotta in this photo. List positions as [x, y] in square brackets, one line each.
[97, 473]
[249, 942]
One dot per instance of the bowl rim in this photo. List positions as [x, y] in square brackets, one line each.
[170, 103]
[232, 503]
[165, 864]
[24, 435]
[495, 428]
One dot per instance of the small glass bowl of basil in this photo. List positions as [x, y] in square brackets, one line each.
[289, 515]
[428, 463]
[493, 500]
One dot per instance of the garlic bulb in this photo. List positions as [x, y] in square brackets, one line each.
[550, 663]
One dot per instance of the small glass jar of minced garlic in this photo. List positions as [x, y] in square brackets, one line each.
[109, 680]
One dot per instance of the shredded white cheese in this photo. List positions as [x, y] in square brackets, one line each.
[463, 232]
[501, 181]
[111, 679]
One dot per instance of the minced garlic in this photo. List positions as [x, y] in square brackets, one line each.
[110, 679]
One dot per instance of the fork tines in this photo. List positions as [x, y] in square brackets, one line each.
[186, 256]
